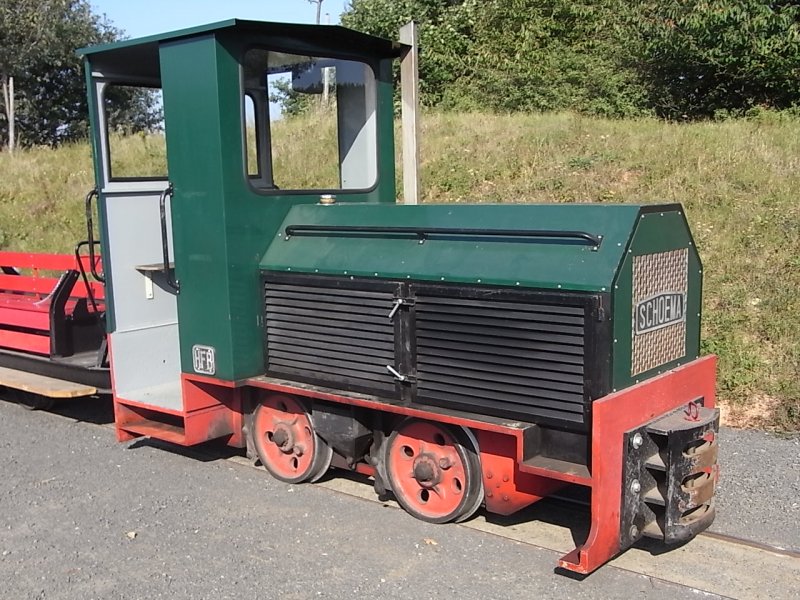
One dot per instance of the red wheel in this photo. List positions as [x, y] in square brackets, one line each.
[286, 442]
[434, 471]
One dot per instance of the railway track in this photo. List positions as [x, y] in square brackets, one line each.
[712, 564]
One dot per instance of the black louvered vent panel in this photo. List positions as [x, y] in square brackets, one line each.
[510, 358]
[340, 337]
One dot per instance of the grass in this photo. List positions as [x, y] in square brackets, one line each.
[738, 181]
[41, 198]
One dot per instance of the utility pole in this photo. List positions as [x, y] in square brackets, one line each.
[325, 75]
[319, 8]
[326, 79]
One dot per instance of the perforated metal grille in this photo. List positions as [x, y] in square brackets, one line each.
[508, 358]
[654, 274]
[330, 335]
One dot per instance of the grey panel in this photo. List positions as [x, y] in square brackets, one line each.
[358, 152]
[134, 238]
[146, 366]
[145, 342]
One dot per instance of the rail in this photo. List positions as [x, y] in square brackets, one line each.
[90, 241]
[423, 233]
[168, 267]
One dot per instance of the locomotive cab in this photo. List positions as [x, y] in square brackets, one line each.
[191, 255]
[264, 287]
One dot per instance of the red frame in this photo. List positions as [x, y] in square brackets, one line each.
[213, 408]
[612, 416]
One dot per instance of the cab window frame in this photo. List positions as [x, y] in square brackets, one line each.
[266, 152]
[103, 84]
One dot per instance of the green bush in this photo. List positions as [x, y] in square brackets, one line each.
[676, 59]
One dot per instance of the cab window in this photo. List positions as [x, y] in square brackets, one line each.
[309, 122]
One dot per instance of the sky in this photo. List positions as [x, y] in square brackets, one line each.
[146, 17]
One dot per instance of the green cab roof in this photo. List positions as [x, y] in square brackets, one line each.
[565, 262]
[138, 59]
[324, 34]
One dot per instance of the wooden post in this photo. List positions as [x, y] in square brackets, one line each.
[8, 105]
[409, 82]
[4, 84]
[12, 134]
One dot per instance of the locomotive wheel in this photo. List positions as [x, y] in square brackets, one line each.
[434, 471]
[286, 443]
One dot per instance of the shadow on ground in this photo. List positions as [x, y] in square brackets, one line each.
[97, 409]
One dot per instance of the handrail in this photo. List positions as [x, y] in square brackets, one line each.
[82, 271]
[168, 272]
[90, 235]
[422, 233]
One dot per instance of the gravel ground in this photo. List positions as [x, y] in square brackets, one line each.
[759, 491]
[83, 517]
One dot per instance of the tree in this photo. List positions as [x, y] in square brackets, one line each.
[292, 103]
[37, 52]
[445, 37]
[699, 57]
[511, 54]
[537, 55]
[26, 26]
[673, 58]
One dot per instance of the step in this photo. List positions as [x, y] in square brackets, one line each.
[157, 430]
[555, 468]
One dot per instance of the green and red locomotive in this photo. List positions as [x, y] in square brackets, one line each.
[462, 356]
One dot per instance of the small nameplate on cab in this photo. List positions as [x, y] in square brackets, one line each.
[204, 362]
[660, 311]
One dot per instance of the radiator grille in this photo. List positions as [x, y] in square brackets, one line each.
[513, 358]
[505, 354]
[330, 335]
[653, 274]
